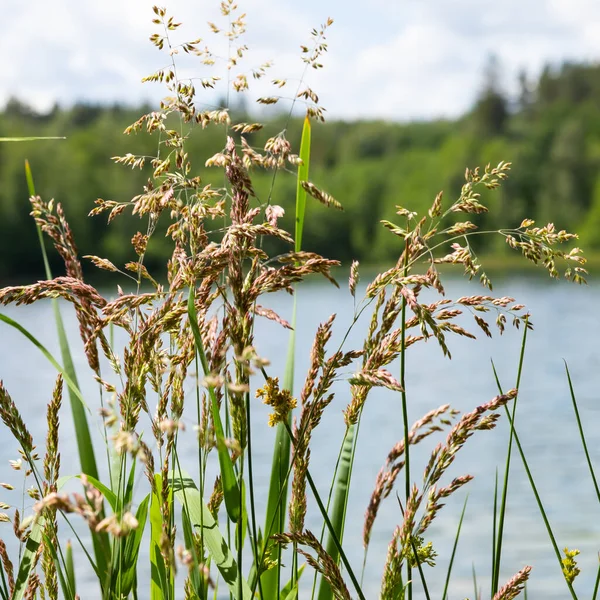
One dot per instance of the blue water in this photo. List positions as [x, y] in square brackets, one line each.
[566, 328]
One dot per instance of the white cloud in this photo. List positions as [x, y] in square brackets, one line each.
[408, 59]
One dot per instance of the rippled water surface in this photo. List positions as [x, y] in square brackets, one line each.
[567, 328]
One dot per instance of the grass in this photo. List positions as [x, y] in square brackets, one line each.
[191, 356]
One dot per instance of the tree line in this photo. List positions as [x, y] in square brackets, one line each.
[550, 132]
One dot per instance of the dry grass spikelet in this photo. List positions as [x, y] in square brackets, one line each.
[391, 582]
[11, 417]
[322, 563]
[52, 456]
[430, 423]
[514, 586]
[7, 566]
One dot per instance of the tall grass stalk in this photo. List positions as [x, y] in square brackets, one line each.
[499, 533]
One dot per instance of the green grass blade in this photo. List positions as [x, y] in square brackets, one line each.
[157, 565]
[454, 547]
[108, 494]
[474, 574]
[597, 584]
[339, 506]
[343, 556]
[31, 138]
[242, 525]
[158, 574]
[196, 578]
[4, 591]
[502, 514]
[72, 385]
[405, 423]
[292, 594]
[127, 498]
[68, 592]
[494, 525]
[70, 567]
[31, 190]
[28, 559]
[534, 488]
[202, 520]
[255, 542]
[290, 590]
[276, 500]
[231, 490]
[302, 176]
[85, 447]
[82, 431]
[581, 434]
[132, 549]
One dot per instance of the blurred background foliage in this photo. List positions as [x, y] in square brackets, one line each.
[550, 132]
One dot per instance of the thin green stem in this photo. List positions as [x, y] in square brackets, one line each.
[407, 480]
[254, 537]
[499, 538]
[334, 536]
[597, 584]
[534, 489]
[415, 557]
[494, 532]
[454, 547]
[581, 434]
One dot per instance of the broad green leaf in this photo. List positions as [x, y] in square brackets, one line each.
[132, 548]
[197, 580]
[158, 574]
[290, 590]
[340, 504]
[202, 520]
[159, 588]
[108, 494]
[28, 558]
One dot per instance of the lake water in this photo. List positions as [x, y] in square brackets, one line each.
[566, 327]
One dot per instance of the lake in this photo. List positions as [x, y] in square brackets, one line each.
[567, 328]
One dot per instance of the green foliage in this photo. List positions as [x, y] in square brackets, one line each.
[553, 138]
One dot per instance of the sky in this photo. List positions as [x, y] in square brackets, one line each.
[387, 59]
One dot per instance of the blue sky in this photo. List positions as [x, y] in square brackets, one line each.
[398, 59]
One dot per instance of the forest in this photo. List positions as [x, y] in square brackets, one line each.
[549, 131]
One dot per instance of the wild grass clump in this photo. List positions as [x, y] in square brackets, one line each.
[192, 356]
